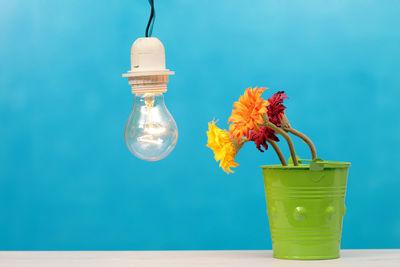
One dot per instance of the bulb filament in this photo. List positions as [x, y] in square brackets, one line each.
[149, 128]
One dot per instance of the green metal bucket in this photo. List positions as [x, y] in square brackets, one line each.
[305, 206]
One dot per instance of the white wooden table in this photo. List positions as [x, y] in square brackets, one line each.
[351, 258]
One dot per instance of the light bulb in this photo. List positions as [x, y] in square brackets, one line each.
[151, 131]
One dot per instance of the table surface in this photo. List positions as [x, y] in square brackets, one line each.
[352, 258]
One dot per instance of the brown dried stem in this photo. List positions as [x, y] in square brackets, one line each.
[277, 151]
[238, 145]
[278, 130]
[305, 140]
[288, 128]
[287, 138]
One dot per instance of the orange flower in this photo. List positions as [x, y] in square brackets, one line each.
[247, 113]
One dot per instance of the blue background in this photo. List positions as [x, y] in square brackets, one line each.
[67, 181]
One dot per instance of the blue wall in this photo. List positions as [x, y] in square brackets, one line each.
[67, 181]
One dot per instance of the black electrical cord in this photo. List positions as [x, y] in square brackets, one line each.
[149, 28]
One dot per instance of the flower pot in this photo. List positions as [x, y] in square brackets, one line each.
[305, 206]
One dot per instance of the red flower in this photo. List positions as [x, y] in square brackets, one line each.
[276, 109]
[260, 138]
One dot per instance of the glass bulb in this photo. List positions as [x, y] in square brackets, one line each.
[150, 132]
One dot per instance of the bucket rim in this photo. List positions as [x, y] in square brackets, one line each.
[326, 165]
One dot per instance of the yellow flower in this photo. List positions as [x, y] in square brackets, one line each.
[247, 113]
[220, 142]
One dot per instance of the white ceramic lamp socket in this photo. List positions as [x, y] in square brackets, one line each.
[148, 73]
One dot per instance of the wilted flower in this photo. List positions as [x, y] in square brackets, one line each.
[260, 138]
[247, 113]
[276, 109]
[221, 144]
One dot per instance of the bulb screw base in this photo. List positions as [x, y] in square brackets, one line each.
[148, 83]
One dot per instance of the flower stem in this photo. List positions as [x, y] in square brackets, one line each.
[305, 140]
[288, 128]
[277, 151]
[238, 145]
[288, 140]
